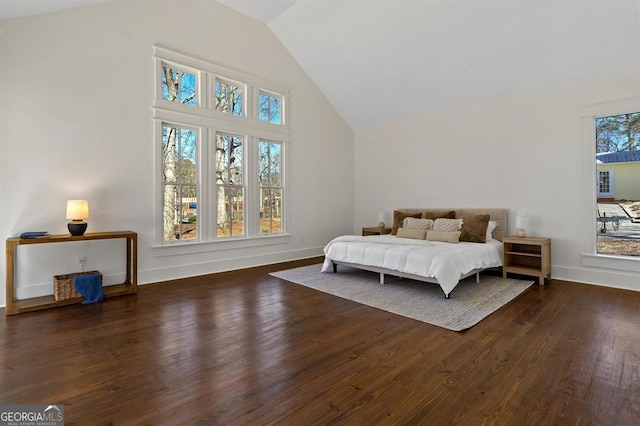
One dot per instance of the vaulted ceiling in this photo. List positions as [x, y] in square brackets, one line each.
[386, 60]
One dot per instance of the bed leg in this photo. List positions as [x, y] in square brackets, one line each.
[381, 278]
[335, 267]
[477, 277]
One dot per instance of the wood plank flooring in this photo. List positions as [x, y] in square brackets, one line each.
[245, 348]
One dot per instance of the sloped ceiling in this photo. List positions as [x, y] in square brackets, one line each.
[386, 60]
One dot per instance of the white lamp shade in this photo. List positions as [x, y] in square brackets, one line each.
[381, 217]
[77, 209]
[522, 220]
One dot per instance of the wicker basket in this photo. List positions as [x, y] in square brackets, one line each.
[63, 287]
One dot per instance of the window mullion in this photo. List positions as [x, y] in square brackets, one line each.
[252, 212]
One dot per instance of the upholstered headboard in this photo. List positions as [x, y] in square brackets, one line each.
[498, 215]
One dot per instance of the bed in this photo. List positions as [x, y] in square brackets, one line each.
[438, 254]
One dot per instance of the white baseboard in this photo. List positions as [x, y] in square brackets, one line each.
[148, 276]
[605, 278]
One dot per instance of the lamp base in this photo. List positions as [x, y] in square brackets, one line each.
[521, 233]
[77, 227]
[381, 224]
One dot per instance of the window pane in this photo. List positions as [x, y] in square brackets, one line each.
[269, 108]
[229, 97]
[179, 177]
[230, 216]
[178, 86]
[270, 211]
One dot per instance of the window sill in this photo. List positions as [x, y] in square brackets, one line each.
[621, 263]
[211, 246]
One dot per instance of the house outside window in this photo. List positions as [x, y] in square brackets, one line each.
[605, 183]
[221, 138]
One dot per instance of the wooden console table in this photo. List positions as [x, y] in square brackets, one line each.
[129, 286]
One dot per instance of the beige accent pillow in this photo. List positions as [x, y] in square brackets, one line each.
[398, 217]
[474, 228]
[413, 223]
[447, 225]
[416, 234]
[451, 214]
[445, 237]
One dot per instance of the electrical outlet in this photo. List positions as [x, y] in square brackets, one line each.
[81, 262]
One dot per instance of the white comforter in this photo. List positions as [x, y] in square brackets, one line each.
[445, 262]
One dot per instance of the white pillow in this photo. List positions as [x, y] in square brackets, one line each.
[416, 234]
[446, 237]
[414, 223]
[490, 227]
[447, 225]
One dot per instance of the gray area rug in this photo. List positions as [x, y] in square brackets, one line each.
[470, 302]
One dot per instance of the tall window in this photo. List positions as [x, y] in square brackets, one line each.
[221, 138]
[179, 183]
[229, 185]
[270, 175]
[618, 184]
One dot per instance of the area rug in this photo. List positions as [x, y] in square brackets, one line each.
[469, 304]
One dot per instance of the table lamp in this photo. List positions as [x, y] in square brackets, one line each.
[522, 220]
[77, 211]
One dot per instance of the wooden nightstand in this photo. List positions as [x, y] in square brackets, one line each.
[527, 256]
[375, 230]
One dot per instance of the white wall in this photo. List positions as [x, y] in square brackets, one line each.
[523, 152]
[77, 89]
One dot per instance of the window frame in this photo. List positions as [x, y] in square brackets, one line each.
[208, 121]
[588, 114]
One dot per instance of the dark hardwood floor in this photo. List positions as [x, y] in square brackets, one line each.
[243, 347]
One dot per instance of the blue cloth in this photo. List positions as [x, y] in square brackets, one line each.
[89, 286]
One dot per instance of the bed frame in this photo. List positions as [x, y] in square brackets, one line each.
[498, 215]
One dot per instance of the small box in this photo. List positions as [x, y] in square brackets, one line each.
[63, 287]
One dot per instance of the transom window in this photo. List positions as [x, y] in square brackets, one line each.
[229, 97]
[178, 86]
[269, 107]
[220, 163]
